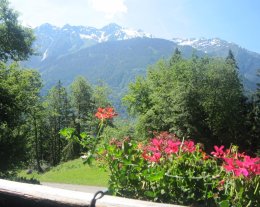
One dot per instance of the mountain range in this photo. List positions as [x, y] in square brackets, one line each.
[116, 55]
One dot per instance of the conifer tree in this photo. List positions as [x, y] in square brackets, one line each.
[175, 57]
[230, 59]
[58, 107]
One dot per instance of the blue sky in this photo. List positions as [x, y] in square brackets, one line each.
[236, 21]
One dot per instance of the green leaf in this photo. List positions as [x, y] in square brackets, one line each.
[67, 132]
[155, 177]
[150, 194]
[83, 135]
[224, 203]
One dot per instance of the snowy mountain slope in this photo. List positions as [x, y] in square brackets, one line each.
[54, 41]
[203, 44]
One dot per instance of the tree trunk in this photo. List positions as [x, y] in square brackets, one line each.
[39, 169]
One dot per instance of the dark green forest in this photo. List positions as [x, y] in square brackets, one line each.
[201, 97]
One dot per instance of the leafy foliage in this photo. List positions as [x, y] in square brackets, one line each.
[72, 111]
[19, 95]
[58, 112]
[202, 97]
[15, 40]
[19, 89]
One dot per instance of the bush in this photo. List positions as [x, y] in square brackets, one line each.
[25, 180]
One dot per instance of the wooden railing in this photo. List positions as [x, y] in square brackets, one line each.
[28, 195]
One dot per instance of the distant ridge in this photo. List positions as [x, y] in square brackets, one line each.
[117, 55]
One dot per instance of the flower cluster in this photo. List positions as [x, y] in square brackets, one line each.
[105, 113]
[193, 176]
[237, 163]
[164, 145]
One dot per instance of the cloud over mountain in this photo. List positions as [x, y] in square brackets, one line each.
[110, 8]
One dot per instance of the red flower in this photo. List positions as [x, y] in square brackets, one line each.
[204, 156]
[222, 182]
[105, 113]
[145, 155]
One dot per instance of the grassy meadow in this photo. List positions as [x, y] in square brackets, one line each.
[72, 172]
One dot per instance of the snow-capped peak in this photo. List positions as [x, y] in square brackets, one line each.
[189, 41]
[116, 32]
[198, 41]
[78, 37]
[202, 44]
[109, 32]
[131, 33]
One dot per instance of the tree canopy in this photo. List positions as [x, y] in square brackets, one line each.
[199, 97]
[15, 39]
[19, 94]
[19, 88]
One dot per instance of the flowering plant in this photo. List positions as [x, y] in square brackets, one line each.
[105, 113]
[173, 170]
[87, 141]
[241, 180]
[168, 169]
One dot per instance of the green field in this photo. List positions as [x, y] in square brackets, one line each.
[72, 172]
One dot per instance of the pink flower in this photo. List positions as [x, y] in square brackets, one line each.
[218, 151]
[242, 165]
[255, 169]
[189, 146]
[241, 171]
[252, 164]
[229, 164]
[173, 146]
[155, 157]
[157, 143]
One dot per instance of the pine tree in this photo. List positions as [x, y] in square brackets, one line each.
[176, 56]
[58, 107]
[82, 103]
[230, 59]
[258, 88]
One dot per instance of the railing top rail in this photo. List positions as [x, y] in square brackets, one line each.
[49, 196]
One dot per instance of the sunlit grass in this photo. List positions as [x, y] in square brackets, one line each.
[72, 172]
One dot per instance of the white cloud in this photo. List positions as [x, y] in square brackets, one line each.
[110, 8]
